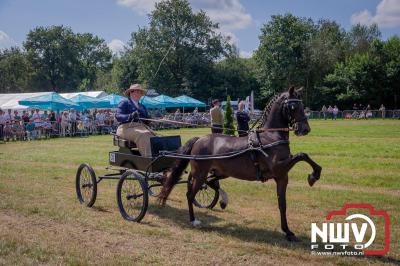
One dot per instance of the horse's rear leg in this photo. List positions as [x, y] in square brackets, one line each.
[281, 185]
[214, 183]
[194, 185]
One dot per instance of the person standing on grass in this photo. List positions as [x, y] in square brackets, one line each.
[335, 112]
[64, 123]
[330, 111]
[242, 120]
[323, 110]
[2, 124]
[37, 119]
[368, 112]
[73, 122]
[217, 117]
[382, 109]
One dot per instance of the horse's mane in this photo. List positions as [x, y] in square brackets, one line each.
[276, 98]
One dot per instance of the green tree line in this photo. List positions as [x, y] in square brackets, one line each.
[183, 52]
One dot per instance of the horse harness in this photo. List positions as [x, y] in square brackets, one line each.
[255, 146]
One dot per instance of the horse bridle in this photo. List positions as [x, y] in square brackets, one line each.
[288, 105]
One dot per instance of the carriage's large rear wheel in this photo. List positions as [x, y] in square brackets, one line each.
[206, 197]
[132, 196]
[86, 185]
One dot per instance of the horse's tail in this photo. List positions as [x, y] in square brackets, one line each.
[174, 176]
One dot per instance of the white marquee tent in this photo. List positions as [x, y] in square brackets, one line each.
[10, 100]
[95, 94]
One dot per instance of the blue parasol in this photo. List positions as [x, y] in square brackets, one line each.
[189, 101]
[51, 101]
[87, 102]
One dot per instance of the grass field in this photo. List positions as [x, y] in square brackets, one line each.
[41, 221]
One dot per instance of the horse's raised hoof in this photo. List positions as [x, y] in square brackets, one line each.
[292, 238]
[195, 223]
[311, 180]
[222, 204]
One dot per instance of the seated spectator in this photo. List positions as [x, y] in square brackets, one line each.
[9, 116]
[16, 117]
[31, 115]
[19, 130]
[25, 116]
[31, 133]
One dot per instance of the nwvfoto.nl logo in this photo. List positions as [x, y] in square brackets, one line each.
[354, 234]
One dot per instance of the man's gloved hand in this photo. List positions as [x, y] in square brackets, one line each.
[134, 116]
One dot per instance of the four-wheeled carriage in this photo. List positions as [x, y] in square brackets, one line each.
[138, 176]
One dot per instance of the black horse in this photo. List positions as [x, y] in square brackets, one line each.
[273, 161]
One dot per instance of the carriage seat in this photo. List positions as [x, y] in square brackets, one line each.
[123, 143]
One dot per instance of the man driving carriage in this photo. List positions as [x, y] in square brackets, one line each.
[128, 115]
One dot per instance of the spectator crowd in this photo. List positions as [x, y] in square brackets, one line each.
[39, 124]
[36, 124]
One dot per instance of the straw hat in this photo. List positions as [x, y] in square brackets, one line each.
[135, 87]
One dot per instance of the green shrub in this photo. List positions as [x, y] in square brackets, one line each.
[229, 128]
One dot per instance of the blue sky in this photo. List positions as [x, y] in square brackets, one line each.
[114, 20]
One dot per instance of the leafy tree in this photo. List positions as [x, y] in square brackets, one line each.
[234, 76]
[125, 70]
[65, 60]
[229, 127]
[361, 37]
[94, 56]
[281, 54]
[391, 51]
[176, 51]
[327, 47]
[54, 52]
[357, 79]
[15, 71]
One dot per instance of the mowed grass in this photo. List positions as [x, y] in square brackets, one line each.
[41, 221]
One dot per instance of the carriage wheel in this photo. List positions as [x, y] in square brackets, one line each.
[206, 197]
[86, 185]
[132, 196]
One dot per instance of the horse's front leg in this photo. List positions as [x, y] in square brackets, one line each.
[281, 185]
[285, 166]
[195, 181]
[316, 174]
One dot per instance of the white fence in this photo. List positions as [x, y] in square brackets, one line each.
[355, 114]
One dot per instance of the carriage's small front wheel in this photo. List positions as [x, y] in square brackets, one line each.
[132, 196]
[206, 197]
[86, 185]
